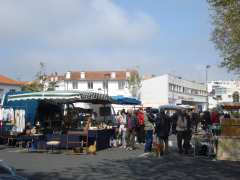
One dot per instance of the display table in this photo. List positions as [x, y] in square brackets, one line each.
[102, 138]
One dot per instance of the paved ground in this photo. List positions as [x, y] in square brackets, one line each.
[118, 164]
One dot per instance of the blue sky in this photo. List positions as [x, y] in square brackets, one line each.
[157, 36]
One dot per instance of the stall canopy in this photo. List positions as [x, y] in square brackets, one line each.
[30, 106]
[64, 97]
[230, 105]
[126, 100]
[170, 107]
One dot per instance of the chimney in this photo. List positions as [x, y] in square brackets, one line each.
[113, 75]
[83, 75]
[128, 74]
[68, 75]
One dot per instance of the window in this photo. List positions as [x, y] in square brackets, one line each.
[105, 84]
[90, 85]
[75, 84]
[121, 84]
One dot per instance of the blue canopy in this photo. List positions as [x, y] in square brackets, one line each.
[126, 100]
[30, 106]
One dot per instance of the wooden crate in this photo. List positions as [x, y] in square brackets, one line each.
[230, 127]
[228, 148]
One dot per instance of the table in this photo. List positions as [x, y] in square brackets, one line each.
[101, 136]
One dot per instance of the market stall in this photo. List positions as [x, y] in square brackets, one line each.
[59, 120]
[229, 141]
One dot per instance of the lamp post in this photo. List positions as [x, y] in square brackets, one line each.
[207, 67]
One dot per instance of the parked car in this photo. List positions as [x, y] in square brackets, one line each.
[8, 173]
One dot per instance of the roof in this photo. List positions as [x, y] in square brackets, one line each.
[126, 100]
[63, 97]
[100, 75]
[97, 75]
[7, 81]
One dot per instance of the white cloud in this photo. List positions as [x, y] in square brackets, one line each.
[73, 23]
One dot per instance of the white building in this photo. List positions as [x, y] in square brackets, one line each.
[113, 83]
[8, 85]
[169, 89]
[222, 91]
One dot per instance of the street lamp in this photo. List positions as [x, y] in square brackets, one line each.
[207, 67]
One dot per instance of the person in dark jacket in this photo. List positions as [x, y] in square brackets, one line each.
[163, 129]
[131, 129]
[188, 132]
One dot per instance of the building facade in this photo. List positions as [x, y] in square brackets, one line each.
[8, 85]
[169, 89]
[113, 83]
[222, 91]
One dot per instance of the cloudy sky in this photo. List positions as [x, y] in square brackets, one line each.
[155, 36]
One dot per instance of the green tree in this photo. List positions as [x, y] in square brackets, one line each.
[134, 84]
[226, 33]
[38, 83]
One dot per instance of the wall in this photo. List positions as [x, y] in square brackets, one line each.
[154, 92]
[222, 91]
[113, 89]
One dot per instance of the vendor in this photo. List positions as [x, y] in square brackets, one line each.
[27, 130]
[88, 124]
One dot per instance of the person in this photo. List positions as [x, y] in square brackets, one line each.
[163, 130]
[181, 127]
[188, 132]
[131, 129]
[28, 128]
[214, 117]
[140, 126]
[206, 120]
[122, 129]
[149, 128]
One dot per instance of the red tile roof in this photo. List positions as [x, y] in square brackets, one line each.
[7, 81]
[100, 75]
[92, 75]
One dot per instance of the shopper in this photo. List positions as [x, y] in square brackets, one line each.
[140, 126]
[149, 128]
[123, 129]
[188, 132]
[131, 129]
[181, 127]
[163, 130]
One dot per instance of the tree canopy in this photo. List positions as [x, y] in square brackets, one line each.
[134, 84]
[38, 83]
[226, 33]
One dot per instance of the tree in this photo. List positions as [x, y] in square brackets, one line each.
[39, 82]
[134, 84]
[226, 33]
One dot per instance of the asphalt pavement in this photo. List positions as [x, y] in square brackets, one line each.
[119, 164]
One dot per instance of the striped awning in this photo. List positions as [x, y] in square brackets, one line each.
[63, 97]
[230, 105]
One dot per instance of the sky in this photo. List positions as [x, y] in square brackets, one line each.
[154, 36]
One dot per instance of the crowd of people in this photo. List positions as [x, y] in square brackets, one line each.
[153, 129]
